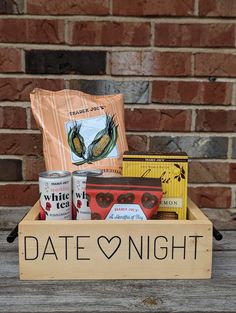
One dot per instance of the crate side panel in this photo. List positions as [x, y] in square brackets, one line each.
[115, 251]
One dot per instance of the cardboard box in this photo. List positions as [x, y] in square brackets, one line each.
[173, 171]
[153, 249]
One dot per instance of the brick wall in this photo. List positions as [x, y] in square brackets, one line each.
[174, 60]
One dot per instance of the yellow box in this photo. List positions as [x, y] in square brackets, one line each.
[173, 171]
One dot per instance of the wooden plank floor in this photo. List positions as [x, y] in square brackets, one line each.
[215, 295]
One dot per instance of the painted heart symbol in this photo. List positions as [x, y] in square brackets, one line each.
[106, 242]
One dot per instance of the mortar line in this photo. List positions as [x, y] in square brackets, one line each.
[170, 133]
[150, 105]
[28, 118]
[170, 106]
[192, 64]
[25, 7]
[230, 148]
[234, 95]
[23, 170]
[108, 63]
[235, 35]
[22, 52]
[227, 185]
[196, 8]
[67, 84]
[173, 134]
[233, 197]
[148, 143]
[20, 131]
[96, 18]
[193, 122]
[110, 7]
[152, 33]
[227, 161]
[201, 160]
[14, 104]
[116, 77]
[13, 157]
[150, 88]
[21, 182]
[33, 182]
[66, 47]
[67, 32]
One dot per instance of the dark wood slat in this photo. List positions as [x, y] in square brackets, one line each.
[227, 243]
[214, 295]
[223, 219]
[9, 217]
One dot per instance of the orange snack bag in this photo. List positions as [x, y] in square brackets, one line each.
[80, 131]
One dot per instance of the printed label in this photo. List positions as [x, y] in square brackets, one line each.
[126, 212]
[171, 203]
[80, 199]
[55, 200]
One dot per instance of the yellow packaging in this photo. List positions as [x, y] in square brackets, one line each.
[173, 171]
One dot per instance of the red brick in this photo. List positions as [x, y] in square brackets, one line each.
[224, 8]
[70, 7]
[110, 33]
[10, 60]
[16, 194]
[137, 143]
[232, 172]
[151, 63]
[31, 31]
[211, 197]
[215, 64]
[212, 172]
[216, 120]
[16, 89]
[153, 7]
[158, 120]
[195, 35]
[32, 167]
[12, 117]
[21, 144]
[33, 124]
[188, 92]
[10, 170]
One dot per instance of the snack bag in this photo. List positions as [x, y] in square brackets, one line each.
[126, 198]
[80, 131]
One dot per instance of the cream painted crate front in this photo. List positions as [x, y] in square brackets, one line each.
[154, 249]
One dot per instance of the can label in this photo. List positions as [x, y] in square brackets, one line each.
[80, 206]
[81, 209]
[55, 198]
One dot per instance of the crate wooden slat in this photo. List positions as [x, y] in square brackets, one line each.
[154, 249]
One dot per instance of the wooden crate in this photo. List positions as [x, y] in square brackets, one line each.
[155, 249]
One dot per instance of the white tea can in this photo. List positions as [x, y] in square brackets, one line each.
[55, 195]
[80, 206]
